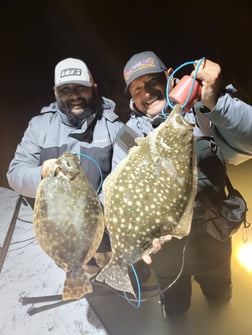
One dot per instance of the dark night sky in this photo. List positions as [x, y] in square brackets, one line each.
[34, 38]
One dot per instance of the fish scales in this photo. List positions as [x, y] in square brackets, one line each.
[68, 222]
[149, 194]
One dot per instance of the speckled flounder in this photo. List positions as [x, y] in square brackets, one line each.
[148, 195]
[68, 222]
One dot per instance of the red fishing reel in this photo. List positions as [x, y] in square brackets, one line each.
[181, 94]
[187, 91]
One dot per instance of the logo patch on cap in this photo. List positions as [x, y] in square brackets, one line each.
[140, 65]
[70, 72]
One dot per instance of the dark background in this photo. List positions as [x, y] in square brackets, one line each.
[34, 37]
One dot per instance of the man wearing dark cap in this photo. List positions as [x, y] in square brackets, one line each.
[199, 254]
[80, 121]
[146, 64]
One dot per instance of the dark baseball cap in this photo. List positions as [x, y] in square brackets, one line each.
[142, 63]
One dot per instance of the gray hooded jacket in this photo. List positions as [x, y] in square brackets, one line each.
[231, 121]
[49, 134]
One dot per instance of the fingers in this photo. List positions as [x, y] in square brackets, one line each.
[165, 238]
[208, 71]
[203, 63]
[46, 166]
[209, 74]
[147, 259]
[156, 244]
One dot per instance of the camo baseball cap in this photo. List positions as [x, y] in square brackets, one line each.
[142, 63]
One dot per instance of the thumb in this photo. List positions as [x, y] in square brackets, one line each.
[147, 259]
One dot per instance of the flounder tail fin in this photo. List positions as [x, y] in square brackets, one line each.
[116, 278]
[76, 286]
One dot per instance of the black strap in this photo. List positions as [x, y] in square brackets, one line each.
[203, 123]
[205, 127]
[229, 184]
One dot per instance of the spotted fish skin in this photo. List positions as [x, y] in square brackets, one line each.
[68, 222]
[149, 194]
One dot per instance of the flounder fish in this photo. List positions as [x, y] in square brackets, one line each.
[68, 222]
[148, 195]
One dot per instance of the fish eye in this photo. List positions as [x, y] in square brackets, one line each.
[157, 160]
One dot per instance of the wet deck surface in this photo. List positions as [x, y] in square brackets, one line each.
[27, 271]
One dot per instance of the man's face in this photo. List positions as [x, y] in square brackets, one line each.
[148, 93]
[74, 98]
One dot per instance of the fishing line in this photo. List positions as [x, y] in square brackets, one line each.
[138, 289]
[169, 103]
[96, 164]
[139, 299]
[28, 239]
[15, 249]
[23, 220]
[180, 271]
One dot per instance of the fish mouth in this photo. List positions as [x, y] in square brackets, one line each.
[178, 119]
[59, 172]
